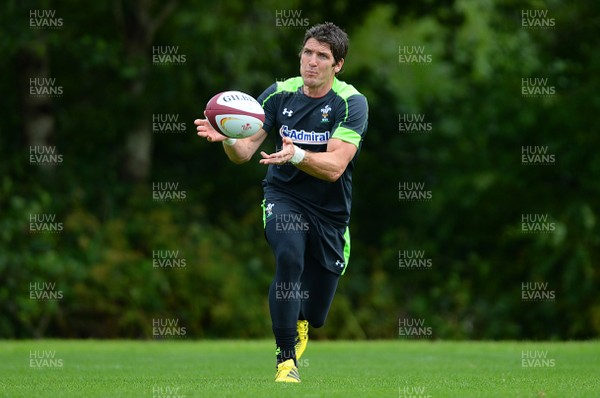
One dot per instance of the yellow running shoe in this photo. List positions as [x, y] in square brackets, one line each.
[302, 339]
[287, 372]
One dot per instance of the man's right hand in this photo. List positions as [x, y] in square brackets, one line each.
[207, 131]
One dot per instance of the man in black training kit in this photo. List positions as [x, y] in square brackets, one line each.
[319, 124]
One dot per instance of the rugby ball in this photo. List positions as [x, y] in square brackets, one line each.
[235, 114]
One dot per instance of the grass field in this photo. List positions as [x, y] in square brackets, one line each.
[76, 368]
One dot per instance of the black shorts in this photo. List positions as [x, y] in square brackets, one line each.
[285, 219]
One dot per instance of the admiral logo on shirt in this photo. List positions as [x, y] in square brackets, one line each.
[305, 137]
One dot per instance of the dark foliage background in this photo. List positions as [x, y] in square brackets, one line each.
[102, 191]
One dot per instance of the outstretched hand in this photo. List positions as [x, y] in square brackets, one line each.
[281, 157]
[205, 130]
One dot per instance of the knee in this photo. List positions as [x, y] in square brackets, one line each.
[316, 322]
[317, 325]
[290, 259]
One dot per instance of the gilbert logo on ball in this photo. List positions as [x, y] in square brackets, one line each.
[235, 114]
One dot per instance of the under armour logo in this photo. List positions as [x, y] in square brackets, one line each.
[286, 112]
[340, 264]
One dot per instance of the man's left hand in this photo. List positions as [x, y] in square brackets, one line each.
[281, 157]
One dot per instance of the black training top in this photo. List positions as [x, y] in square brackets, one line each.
[310, 122]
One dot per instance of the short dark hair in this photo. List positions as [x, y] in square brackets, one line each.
[331, 34]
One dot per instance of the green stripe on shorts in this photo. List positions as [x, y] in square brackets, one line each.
[346, 249]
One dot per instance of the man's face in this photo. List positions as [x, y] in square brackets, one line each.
[317, 65]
